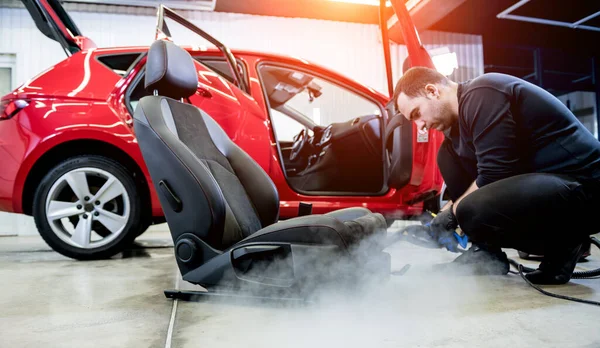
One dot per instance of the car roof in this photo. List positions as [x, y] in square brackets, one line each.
[130, 49]
[210, 50]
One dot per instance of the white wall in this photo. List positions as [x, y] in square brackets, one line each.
[354, 50]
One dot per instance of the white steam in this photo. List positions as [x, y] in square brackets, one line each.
[418, 307]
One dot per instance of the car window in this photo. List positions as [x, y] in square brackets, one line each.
[322, 101]
[118, 63]
[221, 67]
[136, 92]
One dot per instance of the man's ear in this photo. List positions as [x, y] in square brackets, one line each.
[432, 91]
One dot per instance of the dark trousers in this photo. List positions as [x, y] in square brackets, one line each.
[536, 213]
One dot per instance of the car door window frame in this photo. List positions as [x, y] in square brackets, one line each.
[162, 29]
[239, 62]
[134, 83]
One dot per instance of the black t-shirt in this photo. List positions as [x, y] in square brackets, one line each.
[507, 126]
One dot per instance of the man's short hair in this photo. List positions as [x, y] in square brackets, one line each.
[414, 80]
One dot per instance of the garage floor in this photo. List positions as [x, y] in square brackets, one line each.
[47, 300]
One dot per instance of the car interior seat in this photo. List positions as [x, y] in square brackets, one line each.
[221, 207]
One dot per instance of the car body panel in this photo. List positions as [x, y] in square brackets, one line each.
[47, 123]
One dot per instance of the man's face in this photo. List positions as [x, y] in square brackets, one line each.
[428, 110]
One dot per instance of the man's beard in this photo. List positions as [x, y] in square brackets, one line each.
[445, 120]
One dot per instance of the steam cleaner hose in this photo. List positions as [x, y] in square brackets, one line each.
[576, 275]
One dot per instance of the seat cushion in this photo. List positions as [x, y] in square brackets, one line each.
[349, 213]
[323, 230]
[366, 227]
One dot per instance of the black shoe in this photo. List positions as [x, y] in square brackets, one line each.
[557, 267]
[586, 251]
[479, 260]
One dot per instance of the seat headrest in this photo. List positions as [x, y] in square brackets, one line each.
[170, 70]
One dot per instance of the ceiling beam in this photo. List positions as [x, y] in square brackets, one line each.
[424, 14]
[314, 9]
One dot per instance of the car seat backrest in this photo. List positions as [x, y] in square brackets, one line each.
[206, 184]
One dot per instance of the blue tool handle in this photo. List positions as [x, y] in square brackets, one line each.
[462, 240]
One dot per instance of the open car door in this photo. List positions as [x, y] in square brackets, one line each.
[417, 54]
[411, 157]
[163, 32]
[219, 86]
[223, 89]
[54, 22]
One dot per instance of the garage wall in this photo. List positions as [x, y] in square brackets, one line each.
[352, 49]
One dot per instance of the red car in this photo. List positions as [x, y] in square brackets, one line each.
[70, 157]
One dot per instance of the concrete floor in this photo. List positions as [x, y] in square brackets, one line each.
[47, 300]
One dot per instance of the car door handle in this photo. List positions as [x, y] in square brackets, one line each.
[204, 92]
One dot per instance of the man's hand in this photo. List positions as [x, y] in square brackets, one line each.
[442, 227]
[445, 220]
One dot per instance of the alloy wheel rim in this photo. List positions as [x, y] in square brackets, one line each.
[88, 208]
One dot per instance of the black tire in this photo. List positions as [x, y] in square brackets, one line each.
[436, 203]
[390, 222]
[144, 226]
[134, 226]
[432, 204]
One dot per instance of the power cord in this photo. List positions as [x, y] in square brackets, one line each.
[576, 275]
[562, 297]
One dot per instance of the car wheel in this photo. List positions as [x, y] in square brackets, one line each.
[390, 222]
[443, 197]
[436, 203]
[87, 208]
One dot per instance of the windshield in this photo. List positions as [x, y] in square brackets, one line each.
[302, 95]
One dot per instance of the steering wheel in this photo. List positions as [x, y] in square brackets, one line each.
[299, 142]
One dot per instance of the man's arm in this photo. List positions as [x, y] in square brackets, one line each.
[471, 189]
[446, 206]
[494, 131]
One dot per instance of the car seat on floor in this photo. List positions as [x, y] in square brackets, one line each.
[221, 207]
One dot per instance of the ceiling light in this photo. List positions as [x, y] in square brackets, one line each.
[445, 63]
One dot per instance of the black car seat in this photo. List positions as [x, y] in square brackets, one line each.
[221, 207]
